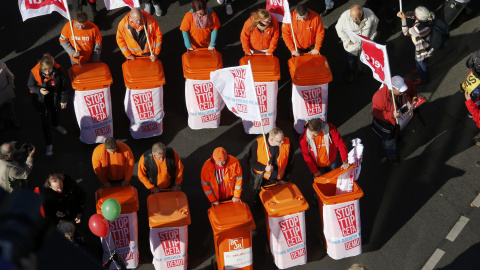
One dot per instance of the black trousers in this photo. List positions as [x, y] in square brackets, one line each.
[49, 117]
[78, 5]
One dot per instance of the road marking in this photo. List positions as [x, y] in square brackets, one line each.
[437, 255]
[476, 202]
[457, 228]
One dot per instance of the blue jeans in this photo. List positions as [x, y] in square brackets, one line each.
[422, 67]
[353, 62]
[390, 147]
[329, 4]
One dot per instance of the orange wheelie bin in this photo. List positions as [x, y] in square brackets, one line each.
[266, 73]
[92, 102]
[144, 80]
[340, 215]
[285, 209]
[123, 233]
[232, 225]
[168, 218]
[310, 77]
[204, 103]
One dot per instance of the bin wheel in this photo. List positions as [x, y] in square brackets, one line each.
[214, 264]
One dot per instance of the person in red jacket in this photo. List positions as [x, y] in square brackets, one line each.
[474, 111]
[260, 33]
[319, 143]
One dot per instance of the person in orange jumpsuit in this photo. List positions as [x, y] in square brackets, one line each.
[113, 163]
[199, 26]
[160, 168]
[308, 31]
[222, 177]
[260, 33]
[88, 40]
[134, 40]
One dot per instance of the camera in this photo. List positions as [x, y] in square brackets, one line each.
[29, 147]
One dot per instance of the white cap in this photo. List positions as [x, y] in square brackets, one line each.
[399, 83]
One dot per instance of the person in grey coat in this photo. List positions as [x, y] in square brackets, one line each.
[7, 95]
[13, 175]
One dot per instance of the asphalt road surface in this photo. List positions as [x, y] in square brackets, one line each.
[408, 209]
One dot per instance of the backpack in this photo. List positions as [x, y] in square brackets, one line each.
[439, 35]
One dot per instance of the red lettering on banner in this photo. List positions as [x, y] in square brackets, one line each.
[144, 104]
[173, 263]
[204, 94]
[347, 219]
[297, 253]
[103, 130]
[149, 127]
[36, 4]
[120, 231]
[352, 244]
[96, 106]
[291, 231]
[170, 242]
[262, 97]
[239, 82]
[242, 108]
[126, 256]
[209, 117]
[374, 57]
[313, 100]
[235, 244]
[266, 122]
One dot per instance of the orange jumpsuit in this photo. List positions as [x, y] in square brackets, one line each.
[257, 40]
[118, 166]
[307, 33]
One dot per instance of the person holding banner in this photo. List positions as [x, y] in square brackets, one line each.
[222, 177]
[260, 33]
[87, 45]
[420, 34]
[360, 21]
[308, 31]
[319, 144]
[113, 163]
[49, 93]
[200, 26]
[383, 110]
[139, 34]
[160, 168]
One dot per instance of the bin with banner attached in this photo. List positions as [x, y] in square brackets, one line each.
[232, 225]
[266, 73]
[340, 214]
[204, 103]
[285, 209]
[92, 102]
[144, 80]
[310, 77]
[168, 218]
[123, 232]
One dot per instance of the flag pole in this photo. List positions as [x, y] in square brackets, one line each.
[71, 29]
[401, 8]
[293, 34]
[146, 34]
[394, 105]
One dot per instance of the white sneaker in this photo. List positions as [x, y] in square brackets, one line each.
[148, 8]
[158, 10]
[221, 1]
[229, 9]
[49, 150]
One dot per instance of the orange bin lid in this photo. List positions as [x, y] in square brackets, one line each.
[142, 73]
[283, 200]
[91, 76]
[265, 68]
[231, 216]
[198, 64]
[126, 195]
[309, 70]
[326, 185]
[168, 209]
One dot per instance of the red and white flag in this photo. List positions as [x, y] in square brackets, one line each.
[35, 8]
[237, 88]
[375, 56]
[113, 4]
[280, 9]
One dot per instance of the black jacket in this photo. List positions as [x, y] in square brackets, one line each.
[58, 89]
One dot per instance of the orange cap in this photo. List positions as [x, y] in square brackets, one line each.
[219, 154]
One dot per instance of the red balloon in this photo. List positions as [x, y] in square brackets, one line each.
[98, 225]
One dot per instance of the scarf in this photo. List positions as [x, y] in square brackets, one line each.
[201, 21]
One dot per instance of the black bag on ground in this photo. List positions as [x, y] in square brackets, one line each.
[439, 35]
[451, 10]
[383, 129]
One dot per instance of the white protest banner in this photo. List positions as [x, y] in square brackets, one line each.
[169, 247]
[280, 9]
[288, 240]
[375, 56]
[342, 230]
[405, 118]
[144, 108]
[122, 236]
[237, 88]
[355, 156]
[93, 110]
[204, 104]
[113, 4]
[309, 102]
[34, 8]
[267, 99]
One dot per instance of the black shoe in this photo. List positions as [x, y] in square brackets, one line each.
[326, 12]
[394, 159]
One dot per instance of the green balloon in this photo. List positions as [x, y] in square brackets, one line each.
[111, 209]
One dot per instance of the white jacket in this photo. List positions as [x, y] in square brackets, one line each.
[367, 28]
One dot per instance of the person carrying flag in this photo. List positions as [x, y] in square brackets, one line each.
[260, 33]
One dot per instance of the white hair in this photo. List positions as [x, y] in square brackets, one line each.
[423, 14]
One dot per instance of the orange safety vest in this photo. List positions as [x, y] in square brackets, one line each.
[232, 178]
[36, 74]
[282, 159]
[127, 43]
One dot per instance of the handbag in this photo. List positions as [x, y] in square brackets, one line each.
[383, 129]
